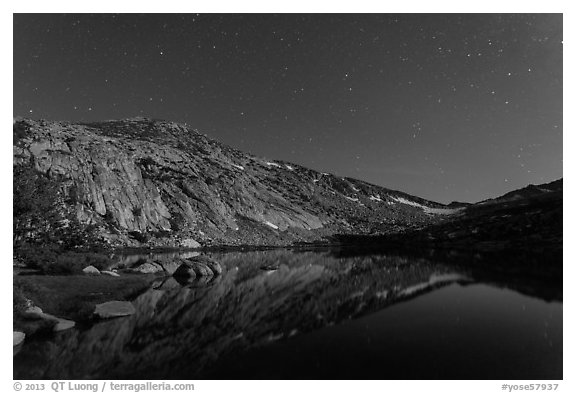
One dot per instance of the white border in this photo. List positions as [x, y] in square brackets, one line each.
[298, 6]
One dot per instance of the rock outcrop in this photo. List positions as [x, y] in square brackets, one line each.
[144, 182]
[525, 220]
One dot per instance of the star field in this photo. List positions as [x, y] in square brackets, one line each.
[446, 107]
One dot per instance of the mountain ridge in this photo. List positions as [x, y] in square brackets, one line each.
[139, 181]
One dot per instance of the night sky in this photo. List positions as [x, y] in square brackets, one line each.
[442, 106]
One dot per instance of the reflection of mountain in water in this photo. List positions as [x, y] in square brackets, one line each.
[178, 332]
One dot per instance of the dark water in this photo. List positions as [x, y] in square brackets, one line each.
[322, 315]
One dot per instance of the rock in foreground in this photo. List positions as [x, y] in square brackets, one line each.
[91, 270]
[18, 338]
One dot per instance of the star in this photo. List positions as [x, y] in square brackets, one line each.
[295, 75]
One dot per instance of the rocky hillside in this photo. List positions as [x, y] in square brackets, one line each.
[528, 220]
[142, 182]
[529, 192]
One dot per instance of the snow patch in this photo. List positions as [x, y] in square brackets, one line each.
[407, 202]
[238, 166]
[354, 200]
[446, 277]
[289, 167]
[355, 189]
[272, 164]
[428, 210]
[271, 225]
[431, 210]
[375, 198]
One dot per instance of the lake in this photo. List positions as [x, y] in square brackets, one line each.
[329, 314]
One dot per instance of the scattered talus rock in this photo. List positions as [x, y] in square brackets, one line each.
[141, 181]
[114, 309]
[18, 338]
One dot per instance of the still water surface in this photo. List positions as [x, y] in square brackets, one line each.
[320, 315]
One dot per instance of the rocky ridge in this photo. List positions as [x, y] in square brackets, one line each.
[139, 182]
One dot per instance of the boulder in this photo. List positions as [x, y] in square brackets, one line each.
[189, 243]
[91, 270]
[18, 338]
[148, 267]
[34, 311]
[109, 273]
[114, 309]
